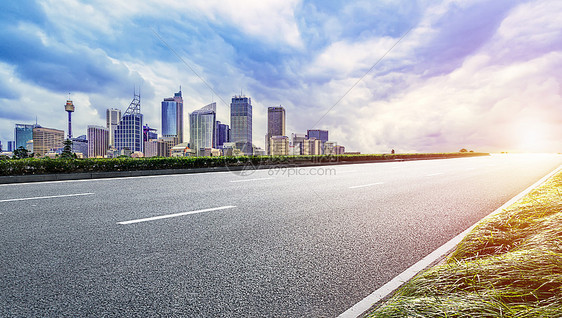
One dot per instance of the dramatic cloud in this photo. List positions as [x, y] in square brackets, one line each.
[469, 74]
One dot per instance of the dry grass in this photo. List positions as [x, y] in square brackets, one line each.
[510, 265]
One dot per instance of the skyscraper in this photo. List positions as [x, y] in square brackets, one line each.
[11, 145]
[172, 117]
[47, 139]
[241, 123]
[129, 134]
[275, 124]
[23, 133]
[222, 134]
[98, 141]
[202, 125]
[112, 117]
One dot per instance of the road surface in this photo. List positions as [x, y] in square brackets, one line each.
[303, 242]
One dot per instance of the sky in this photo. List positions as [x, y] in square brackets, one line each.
[414, 76]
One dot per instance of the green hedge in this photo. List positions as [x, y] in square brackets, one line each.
[29, 166]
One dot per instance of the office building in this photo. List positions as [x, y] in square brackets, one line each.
[202, 128]
[155, 148]
[98, 141]
[148, 133]
[129, 134]
[279, 146]
[23, 133]
[11, 146]
[241, 123]
[112, 117]
[222, 134]
[172, 116]
[299, 145]
[46, 140]
[275, 124]
[80, 145]
[322, 135]
[180, 150]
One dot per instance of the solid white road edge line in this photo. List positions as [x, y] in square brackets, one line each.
[366, 185]
[47, 197]
[175, 215]
[364, 305]
[247, 180]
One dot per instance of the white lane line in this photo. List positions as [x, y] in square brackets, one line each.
[175, 215]
[47, 197]
[110, 178]
[366, 185]
[364, 305]
[248, 180]
[434, 174]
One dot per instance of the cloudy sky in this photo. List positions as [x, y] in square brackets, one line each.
[444, 75]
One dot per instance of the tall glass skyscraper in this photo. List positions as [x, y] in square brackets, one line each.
[241, 123]
[275, 124]
[202, 126]
[172, 117]
[129, 132]
[23, 133]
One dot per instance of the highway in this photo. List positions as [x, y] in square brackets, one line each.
[298, 242]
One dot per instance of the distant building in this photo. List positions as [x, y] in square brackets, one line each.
[11, 146]
[23, 133]
[155, 148]
[241, 123]
[279, 146]
[180, 150]
[80, 145]
[318, 134]
[112, 117]
[98, 141]
[202, 128]
[169, 142]
[46, 140]
[275, 124]
[340, 150]
[129, 134]
[314, 147]
[299, 144]
[172, 116]
[222, 134]
[148, 133]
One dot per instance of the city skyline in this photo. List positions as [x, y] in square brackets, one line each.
[482, 76]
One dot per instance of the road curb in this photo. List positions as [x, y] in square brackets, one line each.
[368, 303]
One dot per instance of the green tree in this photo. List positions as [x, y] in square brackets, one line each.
[21, 153]
[67, 150]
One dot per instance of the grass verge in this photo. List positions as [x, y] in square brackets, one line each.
[510, 265]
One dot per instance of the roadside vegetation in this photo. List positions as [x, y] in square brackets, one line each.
[510, 265]
[68, 164]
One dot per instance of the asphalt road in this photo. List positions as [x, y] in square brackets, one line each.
[305, 242]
